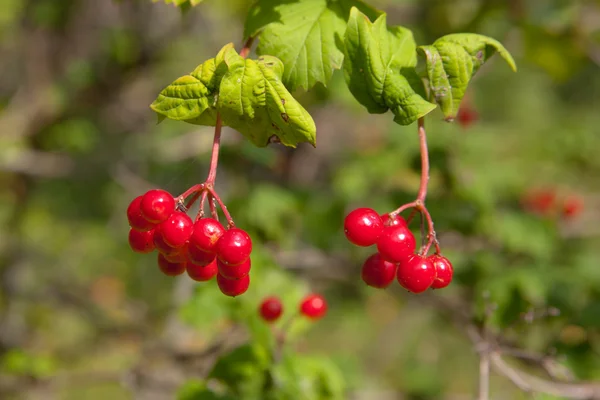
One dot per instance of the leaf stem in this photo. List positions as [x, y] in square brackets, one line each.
[247, 46]
[424, 161]
[214, 158]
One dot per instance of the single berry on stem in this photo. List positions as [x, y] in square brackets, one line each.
[141, 242]
[177, 229]
[170, 268]
[443, 269]
[416, 273]
[135, 217]
[233, 287]
[207, 232]
[234, 247]
[377, 272]
[396, 243]
[234, 271]
[202, 273]
[363, 226]
[398, 220]
[157, 205]
[271, 309]
[313, 306]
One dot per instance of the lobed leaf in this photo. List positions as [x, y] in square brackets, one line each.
[379, 68]
[191, 98]
[452, 61]
[254, 101]
[307, 36]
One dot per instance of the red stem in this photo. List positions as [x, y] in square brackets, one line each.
[424, 161]
[216, 197]
[247, 46]
[213, 208]
[214, 158]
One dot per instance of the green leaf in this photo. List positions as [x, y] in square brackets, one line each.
[254, 101]
[452, 61]
[305, 35]
[380, 68]
[192, 97]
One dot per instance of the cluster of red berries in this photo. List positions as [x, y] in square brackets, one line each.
[395, 257]
[204, 249]
[547, 202]
[312, 306]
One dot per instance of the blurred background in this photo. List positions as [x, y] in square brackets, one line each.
[514, 193]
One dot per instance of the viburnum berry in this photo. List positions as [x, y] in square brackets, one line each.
[162, 246]
[313, 306]
[539, 201]
[443, 271]
[135, 217]
[396, 243]
[177, 229]
[466, 116]
[572, 206]
[363, 226]
[416, 273]
[233, 287]
[271, 309]
[397, 220]
[170, 268]
[157, 205]
[207, 232]
[141, 242]
[202, 273]
[377, 272]
[234, 247]
[199, 256]
[234, 271]
[178, 255]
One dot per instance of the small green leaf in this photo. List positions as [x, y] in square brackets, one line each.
[452, 61]
[192, 97]
[380, 68]
[305, 35]
[254, 101]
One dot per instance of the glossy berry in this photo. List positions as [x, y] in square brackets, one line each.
[416, 274]
[377, 272]
[170, 268]
[234, 271]
[141, 242]
[234, 247]
[270, 309]
[466, 116]
[313, 306]
[161, 245]
[443, 271]
[199, 256]
[233, 287]
[157, 205]
[572, 206]
[135, 217]
[396, 243]
[363, 227]
[177, 229]
[398, 220]
[202, 273]
[207, 232]
[178, 255]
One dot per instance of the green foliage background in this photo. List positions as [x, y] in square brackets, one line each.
[78, 309]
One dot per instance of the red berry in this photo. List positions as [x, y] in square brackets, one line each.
[177, 229]
[233, 287]
[161, 245]
[572, 206]
[416, 273]
[141, 242]
[207, 232]
[540, 201]
[170, 268]
[397, 220]
[234, 247]
[178, 255]
[396, 243]
[313, 306]
[377, 272]
[234, 271]
[271, 309]
[443, 270]
[202, 273]
[135, 217]
[363, 226]
[157, 205]
[200, 257]
[466, 116]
